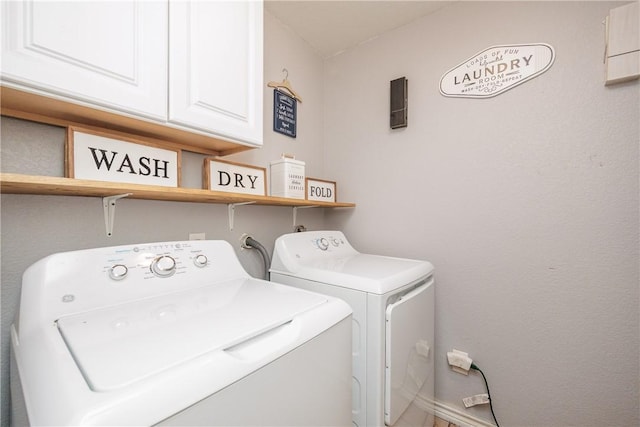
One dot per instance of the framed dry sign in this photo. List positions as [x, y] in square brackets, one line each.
[102, 156]
[320, 190]
[223, 175]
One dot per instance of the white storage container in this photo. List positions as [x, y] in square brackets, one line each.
[287, 178]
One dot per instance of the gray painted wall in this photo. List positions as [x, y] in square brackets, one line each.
[526, 203]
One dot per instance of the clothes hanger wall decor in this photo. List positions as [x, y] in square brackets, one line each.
[284, 84]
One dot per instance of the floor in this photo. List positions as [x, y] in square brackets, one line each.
[439, 422]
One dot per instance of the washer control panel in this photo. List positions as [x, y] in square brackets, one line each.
[103, 276]
[160, 260]
[77, 281]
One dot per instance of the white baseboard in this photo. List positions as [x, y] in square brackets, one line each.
[454, 415]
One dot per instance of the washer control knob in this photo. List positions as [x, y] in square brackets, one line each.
[163, 266]
[335, 242]
[118, 272]
[200, 260]
[323, 244]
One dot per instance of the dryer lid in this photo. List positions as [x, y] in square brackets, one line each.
[119, 345]
[364, 272]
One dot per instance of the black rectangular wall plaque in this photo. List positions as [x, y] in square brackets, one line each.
[398, 107]
[284, 113]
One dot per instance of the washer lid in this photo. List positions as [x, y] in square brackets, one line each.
[369, 273]
[119, 345]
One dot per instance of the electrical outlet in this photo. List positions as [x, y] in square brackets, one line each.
[459, 361]
[478, 399]
[197, 236]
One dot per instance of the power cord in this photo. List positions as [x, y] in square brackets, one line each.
[474, 366]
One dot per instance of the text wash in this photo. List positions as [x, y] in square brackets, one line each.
[145, 166]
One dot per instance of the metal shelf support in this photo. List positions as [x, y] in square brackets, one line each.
[295, 213]
[231, 208]
[109, 206]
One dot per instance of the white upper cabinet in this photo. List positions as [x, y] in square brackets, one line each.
[623, 44]
[192, 65]
[109, 54]
[215, 67]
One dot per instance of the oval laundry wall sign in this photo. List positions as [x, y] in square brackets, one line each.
[497, 69]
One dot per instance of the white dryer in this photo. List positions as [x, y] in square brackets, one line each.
[393, 321]
[175, 333]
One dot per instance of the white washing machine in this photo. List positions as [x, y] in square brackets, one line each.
[175, 333]
[393, 321]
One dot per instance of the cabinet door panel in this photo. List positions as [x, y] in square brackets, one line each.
[215, 74]
[105, 53]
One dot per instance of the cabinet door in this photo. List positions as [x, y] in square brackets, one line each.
[215, 67]
[623, 44]
[105, 53]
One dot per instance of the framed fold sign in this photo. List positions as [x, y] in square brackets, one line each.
[497, 69]
[320, 190]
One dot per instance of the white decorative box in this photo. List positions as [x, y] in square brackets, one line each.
[287, 178]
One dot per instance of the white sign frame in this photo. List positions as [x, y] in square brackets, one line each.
[328, 190]
[232, 177]
[98, 155]
[497, 69]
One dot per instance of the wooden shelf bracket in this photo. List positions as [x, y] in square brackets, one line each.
[109, 206]
[232, 210]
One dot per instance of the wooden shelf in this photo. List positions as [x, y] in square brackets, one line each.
[46, 185]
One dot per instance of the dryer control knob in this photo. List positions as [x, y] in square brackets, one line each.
[200, 260]
[163, 266]
[323, 244]
[118, 272]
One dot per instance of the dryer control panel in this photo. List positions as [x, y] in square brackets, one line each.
[312, 244]
[325, 242]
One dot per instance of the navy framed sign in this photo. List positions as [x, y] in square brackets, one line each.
[284, 113]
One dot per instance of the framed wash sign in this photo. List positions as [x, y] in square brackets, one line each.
[223, 175]
[102, 156]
